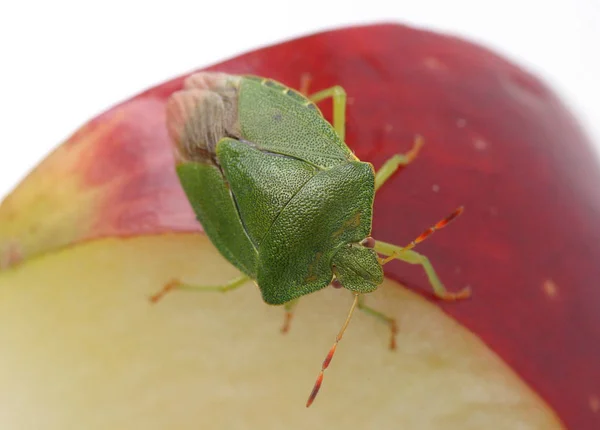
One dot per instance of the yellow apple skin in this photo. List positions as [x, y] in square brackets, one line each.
[83, 348]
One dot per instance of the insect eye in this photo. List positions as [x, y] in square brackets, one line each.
[368, 242]
[336, 283]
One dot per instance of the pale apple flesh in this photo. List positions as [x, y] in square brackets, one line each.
[84, 348]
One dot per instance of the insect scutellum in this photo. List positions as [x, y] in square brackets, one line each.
[280, 194]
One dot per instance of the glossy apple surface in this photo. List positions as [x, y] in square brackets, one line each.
[497, 141]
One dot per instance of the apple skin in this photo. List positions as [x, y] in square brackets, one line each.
[498, 141]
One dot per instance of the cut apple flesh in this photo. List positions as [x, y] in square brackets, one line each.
[82, 347]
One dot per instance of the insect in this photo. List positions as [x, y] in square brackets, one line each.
[281, 196]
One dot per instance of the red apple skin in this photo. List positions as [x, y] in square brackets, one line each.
[498, 142]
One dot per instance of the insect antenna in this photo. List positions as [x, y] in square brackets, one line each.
[329, 356]
[438, 226]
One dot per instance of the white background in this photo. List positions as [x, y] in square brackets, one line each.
[62, 62]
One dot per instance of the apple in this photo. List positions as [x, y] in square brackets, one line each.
[101, 224]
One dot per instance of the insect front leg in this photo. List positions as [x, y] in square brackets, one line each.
[399, 160]
[289, 314]
[394, 252]
[389, 321]
[177, 285]
[412, 257]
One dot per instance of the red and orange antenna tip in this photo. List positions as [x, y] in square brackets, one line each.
[438, 226]
[329, 356]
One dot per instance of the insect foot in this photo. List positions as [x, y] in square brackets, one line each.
[171, 285]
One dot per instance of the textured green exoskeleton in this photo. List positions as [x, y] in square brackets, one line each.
[280, 194]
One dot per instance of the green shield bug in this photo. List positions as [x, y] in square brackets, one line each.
[281, 196]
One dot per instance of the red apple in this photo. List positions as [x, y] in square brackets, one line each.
[497, 141]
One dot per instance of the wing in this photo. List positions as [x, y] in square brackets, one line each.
[332, 209]
[280, 120]
[215, 209]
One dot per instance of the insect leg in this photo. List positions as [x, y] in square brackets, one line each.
[289, 314]
[338, 94]
[177, 285]
[412, 257]
[391, 322]
[399, 160]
